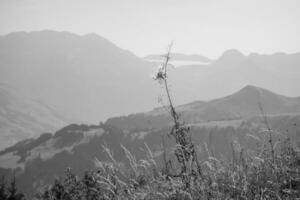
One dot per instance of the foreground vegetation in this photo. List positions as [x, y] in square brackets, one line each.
[249, 175]
[9, 191]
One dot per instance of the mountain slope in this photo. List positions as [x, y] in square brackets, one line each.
[246, 102]
[22, 117]
[81, 75]
[240, 105]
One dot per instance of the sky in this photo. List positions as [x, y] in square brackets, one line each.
[206, 27]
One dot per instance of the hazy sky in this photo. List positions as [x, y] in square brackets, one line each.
[206, 27]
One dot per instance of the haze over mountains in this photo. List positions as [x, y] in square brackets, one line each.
[89, 79]
[179, 59]
[84, 75]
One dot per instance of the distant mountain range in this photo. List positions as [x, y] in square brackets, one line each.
[89, 79]
[218, 123]
[22, 117]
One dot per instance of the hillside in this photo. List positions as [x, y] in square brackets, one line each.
[22, 117]
[243, 104]
[37, 160]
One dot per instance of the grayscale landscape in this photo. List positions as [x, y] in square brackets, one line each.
[149, 100]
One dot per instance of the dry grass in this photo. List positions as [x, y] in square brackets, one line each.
[251, 175]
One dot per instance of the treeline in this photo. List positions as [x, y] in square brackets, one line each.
[9, 191]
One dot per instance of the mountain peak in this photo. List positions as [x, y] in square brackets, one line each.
[233, 52]
[253, 90]
[50, 34]
[231, 56]
[253, 95]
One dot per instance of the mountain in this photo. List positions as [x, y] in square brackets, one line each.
[37, 161]
[89, 79]
[243, 104]
[22, 117]
[277, 72]
[83, 76]
[231, 56]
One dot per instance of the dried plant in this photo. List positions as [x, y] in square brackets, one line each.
[185, 150]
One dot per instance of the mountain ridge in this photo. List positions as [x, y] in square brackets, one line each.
[243, 104]
[72, 72]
